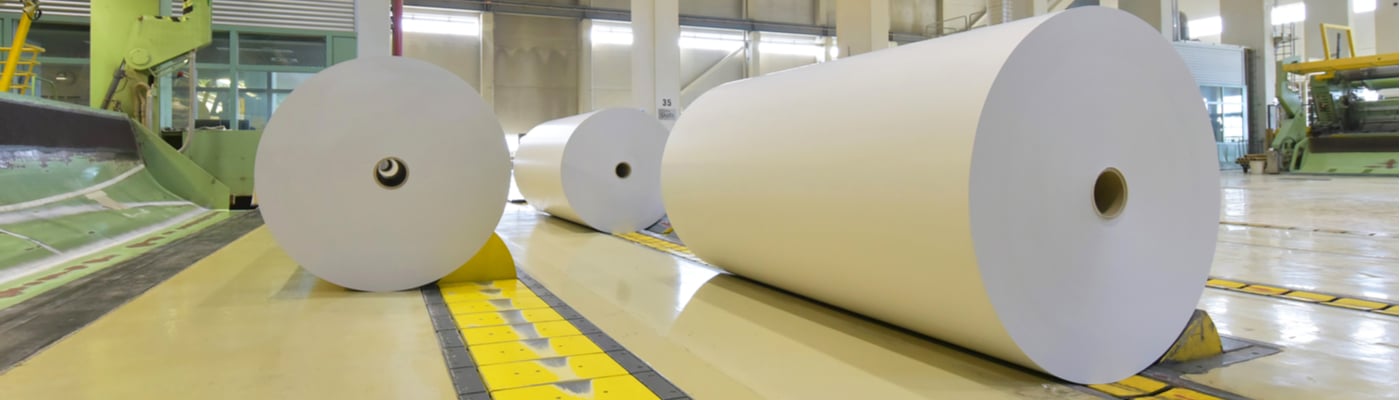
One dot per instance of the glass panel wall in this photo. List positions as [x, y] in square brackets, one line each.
[1225, 106]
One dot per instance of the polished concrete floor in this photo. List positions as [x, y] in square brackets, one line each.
[247, 323]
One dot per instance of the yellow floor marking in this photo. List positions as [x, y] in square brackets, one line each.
[510, 333]
[1133, 386]
[509, 317]
[1310, 296]
[609, 388]
[533, 349]
[465, 295]
[1359, 304]
[1266, 290]
[475, 286]
[1389, 310]
[520, 302]
[549, 370]
[1183, 394]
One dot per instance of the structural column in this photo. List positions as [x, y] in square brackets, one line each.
[1003, 11]
[488, 58]
[585, 66]
[656, 58]
[1161, 14]
[862, 26]
[372, 35]
[1246, 23]
[1387, 13]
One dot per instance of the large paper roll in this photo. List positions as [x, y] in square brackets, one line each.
[601, 169]
[382, 173]
[1044, 191]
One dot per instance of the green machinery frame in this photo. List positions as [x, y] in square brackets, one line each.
[130, 40]
[1331, 136]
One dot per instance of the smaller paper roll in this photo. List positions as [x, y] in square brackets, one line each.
[601, 169]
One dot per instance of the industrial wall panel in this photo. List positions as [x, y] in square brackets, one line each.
[1214, 65]
[323, 15]
[537, 70]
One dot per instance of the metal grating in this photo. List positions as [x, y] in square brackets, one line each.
[1213, 65]
[321, 15]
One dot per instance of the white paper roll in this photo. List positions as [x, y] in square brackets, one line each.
[968, 188]
[382, 173]
[601, 169]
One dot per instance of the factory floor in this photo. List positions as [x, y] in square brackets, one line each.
[245, 322]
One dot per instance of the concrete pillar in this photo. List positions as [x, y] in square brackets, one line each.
[488, 58]
[656, 58]
[372, 36]
[1322, 12]
[1387, 27]
[1003, 11]
[862, 26]
[751, 58]
[585, 65]
[1246, 23]
[1158, 13]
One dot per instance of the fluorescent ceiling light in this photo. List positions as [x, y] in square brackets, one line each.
[1289, 13]
[442, 24]
[1208, 26]
[711, 40]
[1363, 6]
[797, 45]
[810, 50]
[611, 33]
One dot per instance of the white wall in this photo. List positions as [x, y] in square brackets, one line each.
[612, 76]
[454, 46]
[536, 71]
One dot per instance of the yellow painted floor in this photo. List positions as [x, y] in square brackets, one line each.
[245, 323]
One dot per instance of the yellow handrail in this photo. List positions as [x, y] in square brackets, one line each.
[7, 77]
[24, 67]
[1327, 51]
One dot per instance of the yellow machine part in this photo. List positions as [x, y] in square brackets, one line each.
[492, 262]
[1199, 340]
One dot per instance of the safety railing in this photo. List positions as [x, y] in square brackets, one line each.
[26, 66]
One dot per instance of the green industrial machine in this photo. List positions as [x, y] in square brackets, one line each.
[1348, 125]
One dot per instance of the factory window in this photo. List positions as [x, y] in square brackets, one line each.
[218, 51]
[213, 100]
[64, 82]
[261, 92]
[1227, 119]
[281, 50]
[59, 40]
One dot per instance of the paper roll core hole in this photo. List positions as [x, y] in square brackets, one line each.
[1110, 193]
[390, 172]
[623, 170]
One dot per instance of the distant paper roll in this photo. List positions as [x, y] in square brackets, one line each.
[601, 169]
[1044, 191]
[382, 173]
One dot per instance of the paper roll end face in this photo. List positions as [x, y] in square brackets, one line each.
[328, 209]
[1132, 223]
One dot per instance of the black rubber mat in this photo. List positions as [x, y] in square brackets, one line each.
[42, 123]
